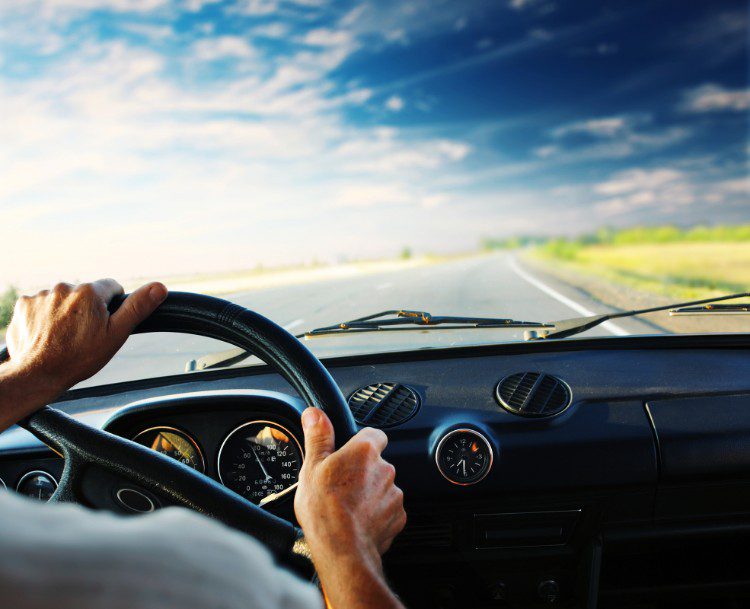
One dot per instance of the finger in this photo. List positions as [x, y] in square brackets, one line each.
[107, 289]
[62, 288]
[137, 307]
[319, 437]
[373, 436]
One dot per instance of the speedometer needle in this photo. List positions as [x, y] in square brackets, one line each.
[263, 469]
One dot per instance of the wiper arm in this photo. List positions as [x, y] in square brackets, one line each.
[570, 327]
[397, 319]
[386, 321]
[405, 320]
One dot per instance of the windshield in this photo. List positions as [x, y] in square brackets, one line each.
[322, 161]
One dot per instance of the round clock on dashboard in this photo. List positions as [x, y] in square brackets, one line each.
[464, 456]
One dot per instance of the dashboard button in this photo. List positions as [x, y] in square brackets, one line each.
[135, 501]
[37, 484]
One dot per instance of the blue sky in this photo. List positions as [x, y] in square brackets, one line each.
[142, 137]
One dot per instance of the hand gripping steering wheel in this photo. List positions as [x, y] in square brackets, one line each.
[84, 447]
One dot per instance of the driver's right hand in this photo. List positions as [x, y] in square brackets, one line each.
[347, 502]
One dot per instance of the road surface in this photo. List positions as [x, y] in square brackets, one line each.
[495, 285]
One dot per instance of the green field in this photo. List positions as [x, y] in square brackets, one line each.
[701, 262]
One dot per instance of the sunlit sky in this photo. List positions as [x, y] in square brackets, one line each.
[147, 137]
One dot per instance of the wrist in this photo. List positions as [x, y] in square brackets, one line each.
[346, 545]
[353, 580]
[22, 391]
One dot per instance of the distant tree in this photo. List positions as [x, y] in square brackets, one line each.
[7, 302]
[406, 253]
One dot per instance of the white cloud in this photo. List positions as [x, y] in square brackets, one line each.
[152, 32]
[394, 103]
[222, 47]
[434, 200]
[194, 6]
[715, 98]
[374, 194]
[271, 30]
[635, 180]
[62, 11]
[326, 37]
[665, 192]
[610, 137]
[111, 138]
[256, 7]
[740, 186]
[544, 152]
[600, 127]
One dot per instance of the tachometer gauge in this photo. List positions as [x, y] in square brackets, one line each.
[260, 460]
[173, 443]
[464, 456]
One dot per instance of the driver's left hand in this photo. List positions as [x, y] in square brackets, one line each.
[62, 336]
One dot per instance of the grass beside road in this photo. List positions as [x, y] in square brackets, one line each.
[677, 270]
[640, 268]
[683, 264]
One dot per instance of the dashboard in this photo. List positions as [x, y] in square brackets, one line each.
[607, 472]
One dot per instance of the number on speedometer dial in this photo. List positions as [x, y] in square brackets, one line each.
[260, 460]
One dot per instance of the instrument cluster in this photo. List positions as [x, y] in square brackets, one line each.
[259, 459]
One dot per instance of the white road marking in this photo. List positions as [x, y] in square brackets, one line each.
[578, 308]
[384, 286]
[293, 324]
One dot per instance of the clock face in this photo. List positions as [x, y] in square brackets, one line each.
[464, 456]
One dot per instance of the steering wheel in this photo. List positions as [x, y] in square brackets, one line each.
[84, 447]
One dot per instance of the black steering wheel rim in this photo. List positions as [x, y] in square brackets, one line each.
[84, 447]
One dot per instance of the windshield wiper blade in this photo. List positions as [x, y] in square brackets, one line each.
[402, 319]
[713, 309]
[570, 327]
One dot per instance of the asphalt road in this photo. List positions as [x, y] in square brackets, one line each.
[496, 285]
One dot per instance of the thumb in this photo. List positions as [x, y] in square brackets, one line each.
[318, 435]
[137, 307]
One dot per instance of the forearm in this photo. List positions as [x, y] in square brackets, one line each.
[21, 393]
[356, 582]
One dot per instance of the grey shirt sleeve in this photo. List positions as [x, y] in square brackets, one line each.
[68, 557]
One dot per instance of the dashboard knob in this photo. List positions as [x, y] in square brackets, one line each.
[549, 591]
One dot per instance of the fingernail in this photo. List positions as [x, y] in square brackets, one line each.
[157, 293]
[310, 418]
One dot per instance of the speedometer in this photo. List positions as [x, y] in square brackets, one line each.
[260, 460]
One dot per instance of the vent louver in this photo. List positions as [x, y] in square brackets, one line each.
[533, 394]
[383, 404]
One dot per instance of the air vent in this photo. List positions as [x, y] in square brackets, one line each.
[383, 404]
[533, 394]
